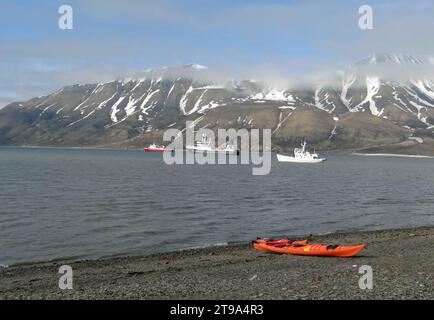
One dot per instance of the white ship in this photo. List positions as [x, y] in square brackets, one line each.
[205, 145]
[301, 155]
[229, 149]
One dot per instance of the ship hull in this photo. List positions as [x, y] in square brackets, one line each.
[156, 150]
[200, 150]
[283, 158]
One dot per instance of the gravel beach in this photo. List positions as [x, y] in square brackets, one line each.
[402, 262]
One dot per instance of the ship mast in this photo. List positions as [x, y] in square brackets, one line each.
[304, 146]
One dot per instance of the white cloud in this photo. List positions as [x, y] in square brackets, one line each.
[328, 31]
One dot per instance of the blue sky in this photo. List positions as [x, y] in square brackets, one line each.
[113, 38]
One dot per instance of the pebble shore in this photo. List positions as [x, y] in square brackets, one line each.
[402, 262]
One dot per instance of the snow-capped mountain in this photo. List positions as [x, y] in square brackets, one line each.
[366, 109]
[409, 103]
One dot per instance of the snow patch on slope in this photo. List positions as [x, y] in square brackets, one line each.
[322, 103]
[372, 88]
[145, 102]
[183, 101]
[346, 84]
[115, 109]
[426, 87]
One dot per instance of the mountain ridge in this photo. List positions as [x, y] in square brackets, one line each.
[365, 111]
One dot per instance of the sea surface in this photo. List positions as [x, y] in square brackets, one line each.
[62, 204]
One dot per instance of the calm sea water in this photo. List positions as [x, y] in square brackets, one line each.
[62, 204]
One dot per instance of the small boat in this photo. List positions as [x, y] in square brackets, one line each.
[301, 155]
[155, 148]
[205, 145]
[313, 249]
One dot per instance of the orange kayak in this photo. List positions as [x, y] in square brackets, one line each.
[310, 249]
[279, 242]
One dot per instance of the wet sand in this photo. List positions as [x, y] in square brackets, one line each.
[402, 262]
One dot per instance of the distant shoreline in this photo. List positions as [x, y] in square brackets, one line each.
[391, 155]
[401, 260]
[331, 152]
[73, 148]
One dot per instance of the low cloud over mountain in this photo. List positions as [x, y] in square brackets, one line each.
[364, 107]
